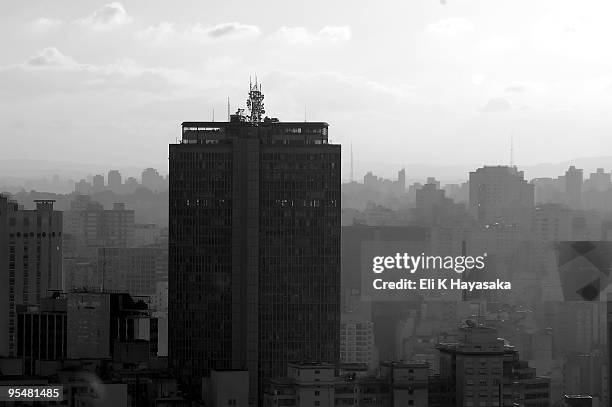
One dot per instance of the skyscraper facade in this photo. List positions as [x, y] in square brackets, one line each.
[254, 245]
[30, 262]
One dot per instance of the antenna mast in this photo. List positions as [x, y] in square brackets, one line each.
[512, 150]
[255, 103]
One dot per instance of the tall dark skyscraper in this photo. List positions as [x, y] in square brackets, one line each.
[30, 262]
[254, 245]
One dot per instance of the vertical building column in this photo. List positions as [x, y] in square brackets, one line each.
[245, 259]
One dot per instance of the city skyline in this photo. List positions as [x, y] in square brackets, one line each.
[417, 213]
[459, 78]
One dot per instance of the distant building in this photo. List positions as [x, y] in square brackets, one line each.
[501, 195]
[481, 370]
[473, 368]
[550, 190]
[356, 341]
[385, 192]
[599, 181]
[573, 187]
[100, 321]
[83, 187]
[408, 382]
[30, 262]
[152, 180]
[433, 207]
[131, 184]
[305, 385]
[133, 270]
[147, 234]
[79, 273]
[459, 193]
[88, 226]
[98, 184]
[401, 181]
[114, 181]
[521, 385]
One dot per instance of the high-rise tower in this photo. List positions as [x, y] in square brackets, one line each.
[254, 245]
[30, 262]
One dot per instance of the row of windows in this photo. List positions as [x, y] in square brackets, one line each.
[26, 221]
[31, 234]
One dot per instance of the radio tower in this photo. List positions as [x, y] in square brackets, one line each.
[255, 102]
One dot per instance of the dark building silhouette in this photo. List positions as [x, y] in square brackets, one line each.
[41, 333]
[30, 261]
[578, 400]
[100, 323]
[609, 344]
[254, 245]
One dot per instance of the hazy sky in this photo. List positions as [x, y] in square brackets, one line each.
[438, 82]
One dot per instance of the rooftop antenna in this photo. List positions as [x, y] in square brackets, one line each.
[512, 149]
[352, 178]
[228, 109]
[255, 102]
[213, 114]
[304, 112]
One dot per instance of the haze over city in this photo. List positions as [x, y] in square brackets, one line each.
[347, 203]
[434, 82]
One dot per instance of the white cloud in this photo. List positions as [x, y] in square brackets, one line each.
[166, 32]
[108, 16]
[495, 105]
[50, 71]
[227, 30]
[450, 27]
[158, 34]
[51, 57]
[335, 34]
[327, 35]
[44, 24]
